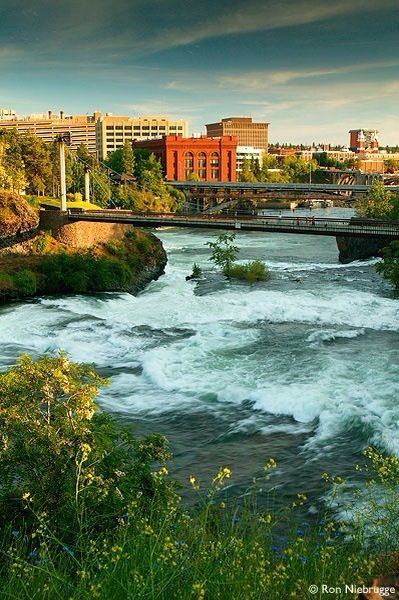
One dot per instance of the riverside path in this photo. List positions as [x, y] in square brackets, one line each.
[353, 227]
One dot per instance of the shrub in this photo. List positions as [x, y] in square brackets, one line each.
[6, 283]
[83, 272]
[116, 248]
[250, 272]
[61, 459]
[389, 266]
[25, 283]
[144, 245]
[196, 272]
[41, 243]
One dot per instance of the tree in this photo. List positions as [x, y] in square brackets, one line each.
[298, 169]
[380, 203]
[224, 253]
[389, 266]
[122, 159]
[246, 173]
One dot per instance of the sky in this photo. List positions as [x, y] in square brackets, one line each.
[312, 68]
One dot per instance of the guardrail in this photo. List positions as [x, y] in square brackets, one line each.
[353, 227]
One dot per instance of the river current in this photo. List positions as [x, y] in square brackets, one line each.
[303, 368]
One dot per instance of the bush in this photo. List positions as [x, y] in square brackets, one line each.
[6, 283]
[116, 247]
[196, 272]
[250, 272]
[25, 283]
[83, 272]
[144, 245]
[61, 459]
[389, 266]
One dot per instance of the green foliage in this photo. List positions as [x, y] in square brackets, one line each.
[380, 204]
[116, 248]
[62, 462]
[25, 283]
[6, 283]
[41, 244]
[251, 272]
[389, 266]
[122, 159]
[224, 253]
[88, 511]
[83, 272]
[196, 272]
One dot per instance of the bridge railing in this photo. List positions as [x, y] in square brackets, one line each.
[299, 223]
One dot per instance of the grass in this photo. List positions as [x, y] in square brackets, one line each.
[89, 512]
[71, 204]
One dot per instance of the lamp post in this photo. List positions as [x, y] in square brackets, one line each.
[63, 139]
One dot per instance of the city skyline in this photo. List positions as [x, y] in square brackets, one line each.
[313, 70]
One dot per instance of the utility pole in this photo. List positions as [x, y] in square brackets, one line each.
[87, 184]
[63, 139]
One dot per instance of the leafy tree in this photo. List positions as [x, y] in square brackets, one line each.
[122, 159]
[246, 173]
[389, 266]
[298, 169]
[224, 253]
[380, 203]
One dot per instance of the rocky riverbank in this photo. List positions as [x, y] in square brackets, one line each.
[71, 258]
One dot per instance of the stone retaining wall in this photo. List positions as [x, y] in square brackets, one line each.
[80, 234]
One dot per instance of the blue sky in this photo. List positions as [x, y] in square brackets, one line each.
[312, 68]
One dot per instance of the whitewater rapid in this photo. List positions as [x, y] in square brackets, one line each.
[306, 365]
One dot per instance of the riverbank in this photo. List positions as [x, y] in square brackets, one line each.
[104, 519]
[53, 256]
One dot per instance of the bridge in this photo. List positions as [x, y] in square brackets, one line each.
[206, 194]
[353, 227]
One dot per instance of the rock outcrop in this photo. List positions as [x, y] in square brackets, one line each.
[358, 248]
[18, 220]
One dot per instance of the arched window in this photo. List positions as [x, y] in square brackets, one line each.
[201, 160]
[189, 160]
[215, 159]
[215, 165]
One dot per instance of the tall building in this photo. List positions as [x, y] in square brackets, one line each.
[244, 129]
[7, 113]
[47, 127]
[248, 153]
[113, 131]
[208, 159]
[363, 140]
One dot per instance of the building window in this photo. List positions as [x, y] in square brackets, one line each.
[215, 159]
[201, 160]
[215, 173]
[189, 161]
[119, 127]
[202, 173]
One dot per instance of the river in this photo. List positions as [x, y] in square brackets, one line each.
[303, 368]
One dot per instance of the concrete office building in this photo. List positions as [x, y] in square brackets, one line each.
[7, 113]
[248, 153]
[48, 126]
[113, 131]
[244, 129]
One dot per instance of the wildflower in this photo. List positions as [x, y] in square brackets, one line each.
[235, 519]
[15, 532]
[299, 532]
[198, 590]
[193, 482]
[271, 464]
[32, 554]
[26, 496]
[224, 473]
[303, 559]
[163, 471]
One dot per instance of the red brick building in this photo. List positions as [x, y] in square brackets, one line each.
[210, 159]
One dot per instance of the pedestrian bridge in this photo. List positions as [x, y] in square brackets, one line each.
[353, 227]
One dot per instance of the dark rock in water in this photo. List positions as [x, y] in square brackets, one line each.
[189, 277]
[358, 248]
